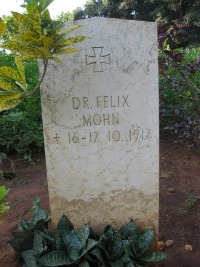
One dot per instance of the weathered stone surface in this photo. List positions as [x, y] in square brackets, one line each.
[100, 116]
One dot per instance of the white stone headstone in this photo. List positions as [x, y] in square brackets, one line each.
[100, 116]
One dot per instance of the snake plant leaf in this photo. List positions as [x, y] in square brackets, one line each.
[64, 225]
[108, 231]
[144, 242]
[38, 243]
[60, 245]
[84, 263]
[130, 230]
[55, 258]
[24, 225]
[39, 215]
[98, 253]
[91, 243]
[127, 261]
[154, 256]
[117, 263]
[73, 245]
[10, 101]
[21, 241]
[83, 234]
[29, 258]
[127, 245]
[115, 249]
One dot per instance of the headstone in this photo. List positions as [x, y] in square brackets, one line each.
[100, 117]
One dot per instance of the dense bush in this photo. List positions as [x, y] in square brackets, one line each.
[21, 127]
[179, 86]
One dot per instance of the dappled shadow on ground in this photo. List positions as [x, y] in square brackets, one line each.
[179, 204]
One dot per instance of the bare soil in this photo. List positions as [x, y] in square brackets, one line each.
[179, 203]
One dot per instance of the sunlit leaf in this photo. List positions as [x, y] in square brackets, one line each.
[10, 101]
[67, 51]
[8, 85]
[2, 28]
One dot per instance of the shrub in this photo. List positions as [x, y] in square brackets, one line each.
[21, 127]
[20, 133]
[179, 85]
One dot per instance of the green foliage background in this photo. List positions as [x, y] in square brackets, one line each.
[21, 127]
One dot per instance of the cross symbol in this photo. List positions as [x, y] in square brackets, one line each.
[56, 137]
[98, 59]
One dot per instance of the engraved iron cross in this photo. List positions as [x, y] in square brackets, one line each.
[98, 59]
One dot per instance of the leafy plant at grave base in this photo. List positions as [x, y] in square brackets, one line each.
[128, 247]
[4, 206]
[23, 240]
[34, 36]
[179, 83]
[187, 205]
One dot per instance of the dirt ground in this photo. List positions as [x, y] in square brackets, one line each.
[179, 204]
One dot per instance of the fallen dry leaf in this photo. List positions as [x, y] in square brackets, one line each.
[169, 243]
[171, 189]
[161, 245]
[188, 247]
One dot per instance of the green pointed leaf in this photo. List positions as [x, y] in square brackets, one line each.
[84, 263]
[91, 243]
[2, 28]
[22, 241]
[64, 225]
[108, 231]
[127, 245]
[130, 230]
[60, 245]
[71, 29]
[29, 258]
[155, 256]
[83, 234]
[66, 51]
[144, 242]
[37, 243]
[127, 261]
[115, 249]
[38, 215]
[23, 225]
[98, 253]
[118, 263]
[44, 4]
[73, 245]
[55, 258]
[56, 59]
[21, 70]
